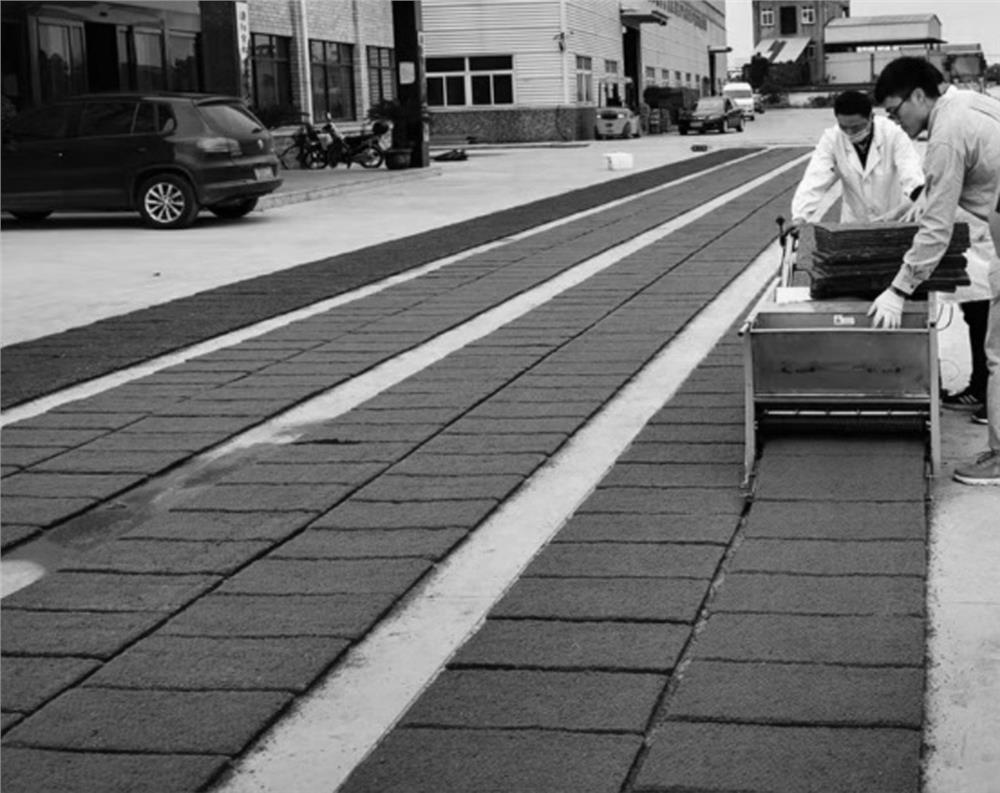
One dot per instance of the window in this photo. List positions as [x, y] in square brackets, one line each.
[272, 74]
[767, 17]
[687, 78]
[47, 123]
[677, 78]
[145, 119]
[584, 79]
[149, 71]
[665, 76]
[650, 75]
[808, 15]
[476, 80]
[787, 21]
[611, 67]
[106, 118]
[183, 62]
[381, 74]
[60, 59]
[331, 68]
[229, 119]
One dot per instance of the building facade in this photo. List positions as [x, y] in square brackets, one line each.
[538, 69]
[793, 32]
[502, 70]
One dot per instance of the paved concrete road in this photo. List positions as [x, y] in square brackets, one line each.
[669, 634]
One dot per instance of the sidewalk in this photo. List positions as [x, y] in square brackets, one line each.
[670, 634]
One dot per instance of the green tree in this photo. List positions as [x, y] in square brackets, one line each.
[759, 67]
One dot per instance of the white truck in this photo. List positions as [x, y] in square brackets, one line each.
[742, 96]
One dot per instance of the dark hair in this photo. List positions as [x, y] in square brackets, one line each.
[852, 103]
[905, 74]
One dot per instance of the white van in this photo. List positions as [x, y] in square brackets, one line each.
[742, 96]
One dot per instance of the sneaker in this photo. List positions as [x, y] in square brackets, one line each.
[979, 417]
[984, 470]
[963, 400]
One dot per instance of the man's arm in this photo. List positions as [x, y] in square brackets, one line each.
[945, 170]
[907, 160]
[910, 172]
[820, 176]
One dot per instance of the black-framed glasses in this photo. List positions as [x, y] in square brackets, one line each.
[893, 112]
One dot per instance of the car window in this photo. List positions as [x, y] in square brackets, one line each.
[145, 119]
[230, 119]
[709, 105]
[46, 123]
[154, 117]
[106, 118]
[738, 93]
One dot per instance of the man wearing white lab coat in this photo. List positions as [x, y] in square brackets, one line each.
[877, 165]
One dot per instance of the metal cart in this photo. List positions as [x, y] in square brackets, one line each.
[818, 364]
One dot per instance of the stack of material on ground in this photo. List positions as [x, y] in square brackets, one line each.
[859, 260]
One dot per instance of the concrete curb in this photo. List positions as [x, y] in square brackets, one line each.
[364, 181]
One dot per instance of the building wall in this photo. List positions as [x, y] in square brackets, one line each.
[682, 45]
[525, 29]
[545, 37]
[362, 23]
[823, 12]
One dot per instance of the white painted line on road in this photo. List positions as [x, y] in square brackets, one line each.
[331, 730]
[358, 390]
[100, 384]
[285, 427]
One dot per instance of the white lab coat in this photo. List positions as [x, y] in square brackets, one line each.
[892, 171]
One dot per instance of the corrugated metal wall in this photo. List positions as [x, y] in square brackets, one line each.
[527, 30]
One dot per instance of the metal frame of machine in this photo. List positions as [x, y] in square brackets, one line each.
[819, 364]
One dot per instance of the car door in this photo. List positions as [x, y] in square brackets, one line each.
[100, 153]
[33, 159]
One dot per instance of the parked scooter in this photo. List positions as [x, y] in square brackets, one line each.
[364, 149]
[307, 146]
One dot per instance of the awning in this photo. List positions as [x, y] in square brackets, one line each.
[643, 16]
[781, 50]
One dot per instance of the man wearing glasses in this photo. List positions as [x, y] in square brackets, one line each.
[876, 164]
[961, 169]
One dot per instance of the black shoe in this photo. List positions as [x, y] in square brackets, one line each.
[979, 417]
[963, 400]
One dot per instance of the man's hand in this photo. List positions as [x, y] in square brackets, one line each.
[795, 226]
[888, 310]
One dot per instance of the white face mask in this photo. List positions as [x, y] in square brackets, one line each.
[859, 137]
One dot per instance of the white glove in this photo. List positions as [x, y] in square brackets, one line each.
[795, 226]
[888, 310]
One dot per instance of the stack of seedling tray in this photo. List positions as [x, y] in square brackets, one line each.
[859, 260]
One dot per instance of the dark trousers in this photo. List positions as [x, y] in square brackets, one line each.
[977, 314]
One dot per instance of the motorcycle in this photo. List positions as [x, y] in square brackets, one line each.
[307, 148]
[364, 148]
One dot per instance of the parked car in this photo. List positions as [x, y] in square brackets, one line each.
[165, 155]
[711, 112]
[617, 122]
[742, 96]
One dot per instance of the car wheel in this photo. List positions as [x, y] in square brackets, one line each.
[751, 116]
[598, 136]
[233, 211]
[31, 217]
[683, 130]
[627, 131]
[167, 201]
[739, 126]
